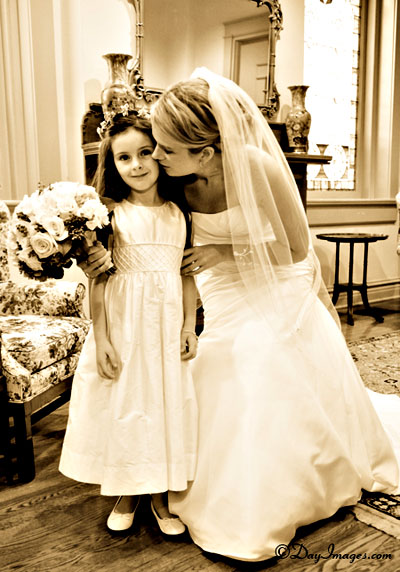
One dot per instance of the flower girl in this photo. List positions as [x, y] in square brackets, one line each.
[132, 424]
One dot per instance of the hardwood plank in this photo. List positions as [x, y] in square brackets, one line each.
[54, 524]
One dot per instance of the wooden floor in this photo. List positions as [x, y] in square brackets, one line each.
[57, 525]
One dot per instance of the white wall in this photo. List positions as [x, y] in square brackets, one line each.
[290, 52]
[107, 26]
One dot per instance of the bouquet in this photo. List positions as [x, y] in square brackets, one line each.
[53, 226]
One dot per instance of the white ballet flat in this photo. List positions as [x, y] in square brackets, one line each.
[118, 521]
[169, 526]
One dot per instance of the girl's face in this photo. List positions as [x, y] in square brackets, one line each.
[176, 160]
[132, 151]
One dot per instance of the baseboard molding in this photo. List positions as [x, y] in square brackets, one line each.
[377, 293]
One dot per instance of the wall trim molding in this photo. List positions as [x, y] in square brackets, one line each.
[377, 292]
[321, 212]
[343, 212]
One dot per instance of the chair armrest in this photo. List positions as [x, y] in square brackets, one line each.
[50, 298]
[16, 375]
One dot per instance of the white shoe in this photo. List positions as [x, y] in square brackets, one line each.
[171, 525]
[118, 521]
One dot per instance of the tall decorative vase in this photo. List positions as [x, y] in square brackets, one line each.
[298, 120]
[117, 95]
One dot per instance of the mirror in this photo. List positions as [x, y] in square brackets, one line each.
[236, 38]
[169, 39]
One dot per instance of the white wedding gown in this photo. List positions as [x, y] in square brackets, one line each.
[287, 431]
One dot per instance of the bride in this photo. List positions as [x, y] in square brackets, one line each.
[288, 433]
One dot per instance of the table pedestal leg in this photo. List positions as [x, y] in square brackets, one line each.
[350, 319]
[363, 289]
[335, 294]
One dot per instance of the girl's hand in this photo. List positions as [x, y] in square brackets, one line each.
[108, 362]
[188, 344]
[200, 258]
[98, 261]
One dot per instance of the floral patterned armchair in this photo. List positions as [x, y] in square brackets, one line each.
[42, 330]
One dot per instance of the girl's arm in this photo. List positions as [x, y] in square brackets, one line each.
[188, 333]
[98, 260]
[108, 365]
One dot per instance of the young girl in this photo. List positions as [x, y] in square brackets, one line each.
[133, 417]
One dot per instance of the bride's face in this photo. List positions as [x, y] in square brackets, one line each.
[176, 160]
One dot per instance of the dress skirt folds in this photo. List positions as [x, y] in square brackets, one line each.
[287, 432]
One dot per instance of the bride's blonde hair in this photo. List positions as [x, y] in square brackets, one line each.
[183, 112]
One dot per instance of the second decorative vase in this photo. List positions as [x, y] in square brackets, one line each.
[298, 120]
[117, 94]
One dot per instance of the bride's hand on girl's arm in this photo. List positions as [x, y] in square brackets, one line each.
[200, 258]
[98, 261]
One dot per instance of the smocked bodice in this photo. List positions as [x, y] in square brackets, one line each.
[148, 238]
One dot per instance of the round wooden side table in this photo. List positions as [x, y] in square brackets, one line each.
[351, 239]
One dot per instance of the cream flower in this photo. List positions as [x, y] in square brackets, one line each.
[54, 226]
[26, 255]
[43, 244]
[66, 205]
[28, 206]
[95, 213]
[86, 193]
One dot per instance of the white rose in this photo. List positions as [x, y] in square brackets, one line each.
[32, 261]
[26, 255]
[88, 209]
[47, 206]
[55, 227]
[93, 211]
[66, 205]
[64, 187]
[43, 244]
[59, 198]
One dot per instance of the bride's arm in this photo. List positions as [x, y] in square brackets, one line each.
[280, 208]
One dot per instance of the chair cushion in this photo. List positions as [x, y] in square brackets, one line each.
[36, 342]
[49, 298]
[23, 385]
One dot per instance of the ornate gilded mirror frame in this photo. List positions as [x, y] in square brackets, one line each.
[271, 103]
